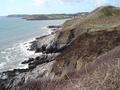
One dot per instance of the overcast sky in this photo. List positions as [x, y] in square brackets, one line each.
[51, 6]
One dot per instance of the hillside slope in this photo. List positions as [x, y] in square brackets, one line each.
[102, 18]
[102, 74]
[85, 49]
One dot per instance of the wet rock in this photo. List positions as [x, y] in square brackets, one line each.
[45, 58]
[54, 26]
[33, 46]
[38, 73]
[8, 74]
[47, 44]
[27, 61]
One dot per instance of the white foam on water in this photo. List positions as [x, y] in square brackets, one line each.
[22, 66]
[2, 64]
[3, 52]
[48, 30]
[13, 56]
[7, 58]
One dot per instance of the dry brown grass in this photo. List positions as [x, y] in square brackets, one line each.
[86, 48]
[105, 15]
[102, 74]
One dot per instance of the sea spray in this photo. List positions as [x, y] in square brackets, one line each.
[15, 37]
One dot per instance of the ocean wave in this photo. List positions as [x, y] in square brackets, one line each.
[13, 56]
[2, 64]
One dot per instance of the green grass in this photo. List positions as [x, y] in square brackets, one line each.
[52, 16]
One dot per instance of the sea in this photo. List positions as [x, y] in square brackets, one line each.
[15, 37]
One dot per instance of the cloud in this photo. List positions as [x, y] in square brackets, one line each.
[39, 2]
[12, 10]
[98, 2]
[68, 1]
[11, 1]
[116, 3]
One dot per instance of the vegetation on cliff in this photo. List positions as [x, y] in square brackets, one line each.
[102, 74]
[91, 60]
[85, 49]
[102, 18]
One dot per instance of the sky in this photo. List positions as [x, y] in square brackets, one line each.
[51, 6]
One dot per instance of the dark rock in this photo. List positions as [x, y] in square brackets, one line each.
[38, 50]
[45, 58]
[54, 29]
[41, 49]
[7, 78]
[2, 87]
[33, 46]
[47, 44]
[27, 61]
[37, 58]
[53, 26]
[52, 48]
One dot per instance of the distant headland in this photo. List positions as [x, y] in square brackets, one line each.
[47, 16]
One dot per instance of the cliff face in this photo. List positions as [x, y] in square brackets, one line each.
[85, 49]
[102, 18]
[89, 39]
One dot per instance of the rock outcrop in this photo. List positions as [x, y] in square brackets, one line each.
[38, 67]
[47, 44]
[38, 73]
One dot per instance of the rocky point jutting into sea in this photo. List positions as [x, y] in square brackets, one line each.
[84, 54]
[38, 66]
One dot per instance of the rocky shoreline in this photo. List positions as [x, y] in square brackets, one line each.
[10, 80]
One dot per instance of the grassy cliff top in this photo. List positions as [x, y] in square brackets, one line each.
[102, 18]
